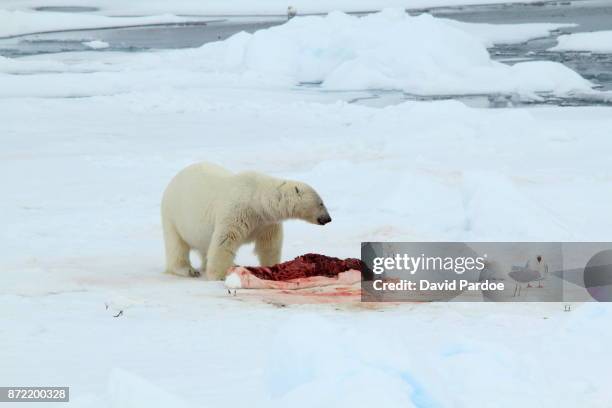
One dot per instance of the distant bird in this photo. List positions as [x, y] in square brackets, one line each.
[291, 12]
[524, 275]
[542, 268]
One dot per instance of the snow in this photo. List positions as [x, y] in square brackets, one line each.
[507, 33]
[242, 7]
[598, 42]
[339, 51]
[386, 51]
[195, 347]
[96, 44]
[127, 390]
[91, 139]
[82, 231]
[17, 22]
[22, 21]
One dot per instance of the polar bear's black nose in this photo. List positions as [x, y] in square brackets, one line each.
[324, 219]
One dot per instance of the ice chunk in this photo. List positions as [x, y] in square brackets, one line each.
[96, 44]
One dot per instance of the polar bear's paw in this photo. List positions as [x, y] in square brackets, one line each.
[185, 271]
[194, 273]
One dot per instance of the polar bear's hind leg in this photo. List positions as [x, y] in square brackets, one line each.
[203, 260]
[177, 253]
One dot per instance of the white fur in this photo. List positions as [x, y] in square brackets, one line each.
[214, 211]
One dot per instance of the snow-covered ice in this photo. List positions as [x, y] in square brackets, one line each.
[90, 140]
[597, 41]
[240, 7]
[96, 44]
[82, 230]
[492, 34]
[390, 50]
[18, 22]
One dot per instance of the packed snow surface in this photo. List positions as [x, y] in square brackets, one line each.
[598, 41]
[81, 233]
[91, 139]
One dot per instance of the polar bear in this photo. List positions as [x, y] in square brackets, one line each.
[213, 211]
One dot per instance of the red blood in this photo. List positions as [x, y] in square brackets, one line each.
[306, 266]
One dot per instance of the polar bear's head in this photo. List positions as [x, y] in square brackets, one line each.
[305, 203]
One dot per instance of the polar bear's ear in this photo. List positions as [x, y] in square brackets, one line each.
[297, 191]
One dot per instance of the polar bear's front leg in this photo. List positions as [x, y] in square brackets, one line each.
[268, 244]
[221, 253]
